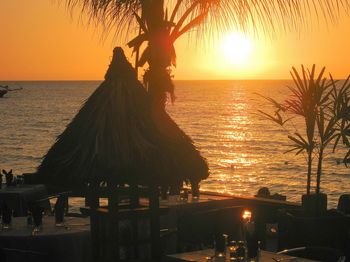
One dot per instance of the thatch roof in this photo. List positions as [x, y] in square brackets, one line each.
[114, 136]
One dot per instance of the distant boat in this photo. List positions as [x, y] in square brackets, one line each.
[3, 92]
[5, 89]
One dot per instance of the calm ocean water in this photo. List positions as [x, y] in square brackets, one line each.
[244, 151]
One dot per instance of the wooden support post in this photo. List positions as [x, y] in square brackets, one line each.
[66, 204]
[155, 222]
[92, 195]
[134, 195]
[134, 203]
[112, 232]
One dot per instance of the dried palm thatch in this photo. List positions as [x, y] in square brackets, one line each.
[114, 138]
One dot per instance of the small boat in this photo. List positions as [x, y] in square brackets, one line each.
[3, 92]
[5, 89]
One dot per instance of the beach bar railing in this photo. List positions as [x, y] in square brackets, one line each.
[118, 230]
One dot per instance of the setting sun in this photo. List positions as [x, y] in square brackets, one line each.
[236, 48]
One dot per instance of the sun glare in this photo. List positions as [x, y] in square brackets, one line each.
[236, 48]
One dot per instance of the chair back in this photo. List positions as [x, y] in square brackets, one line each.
[197, 230]
[329, 230]
[344, 204]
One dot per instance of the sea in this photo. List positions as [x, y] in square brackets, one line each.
[244, 150]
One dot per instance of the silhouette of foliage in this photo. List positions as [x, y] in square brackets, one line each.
[161, 22]
[324, 107]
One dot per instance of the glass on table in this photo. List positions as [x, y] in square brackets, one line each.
[237, 251]
[59, 211]
[6, 216]
[232, 247]
[20, 180]
[37, 213]
[195, 191]
[220, 245]
[184, 195]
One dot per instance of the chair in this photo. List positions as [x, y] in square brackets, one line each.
[197, 230]
[62, 199]
[328, 230]
[325, 254]
[344, 204]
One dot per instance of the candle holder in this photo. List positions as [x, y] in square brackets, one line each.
[195, 191]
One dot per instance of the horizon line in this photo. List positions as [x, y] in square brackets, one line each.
[77, 80]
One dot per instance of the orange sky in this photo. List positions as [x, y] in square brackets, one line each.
[40, 41]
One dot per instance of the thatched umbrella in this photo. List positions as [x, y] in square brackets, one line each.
[115, 137]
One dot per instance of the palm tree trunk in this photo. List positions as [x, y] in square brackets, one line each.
[158, 79]
[309, 170]
[319, 170]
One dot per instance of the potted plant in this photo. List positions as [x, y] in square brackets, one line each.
[323, 106]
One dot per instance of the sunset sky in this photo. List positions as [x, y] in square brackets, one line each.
[41, 41]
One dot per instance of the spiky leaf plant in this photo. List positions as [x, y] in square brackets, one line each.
[324, 107]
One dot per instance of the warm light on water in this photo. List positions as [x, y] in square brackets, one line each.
[244, 151]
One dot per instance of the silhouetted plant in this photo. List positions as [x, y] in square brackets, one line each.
[324, 107]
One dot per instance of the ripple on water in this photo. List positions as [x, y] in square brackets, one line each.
[244, 151]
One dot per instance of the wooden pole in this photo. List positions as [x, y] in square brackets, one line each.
[155, 222]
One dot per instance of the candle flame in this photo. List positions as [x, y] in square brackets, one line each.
[247, 215]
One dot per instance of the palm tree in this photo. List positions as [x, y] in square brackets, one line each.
[162, 22]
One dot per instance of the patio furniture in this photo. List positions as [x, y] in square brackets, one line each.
[202, 255]
[330, 229]
[344, 204]
[69, 243]
[126, 231]
[197, 230]
[325, 254]
[17, 197]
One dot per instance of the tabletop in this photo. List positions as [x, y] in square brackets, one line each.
[202, 255]
[68, 243]
[71, 225]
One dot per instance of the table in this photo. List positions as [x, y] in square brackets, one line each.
[68, 244]
[17, 197]
[200, 256]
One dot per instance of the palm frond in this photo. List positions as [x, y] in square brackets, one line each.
[266, 15]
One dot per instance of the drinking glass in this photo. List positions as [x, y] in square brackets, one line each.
[59, 215]
[37, 212]
[20, 180]
[195, 191]
[29, 219]
[238, 251]
[6, 216]
[184, 195]
[220, 245]
[232, 247]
